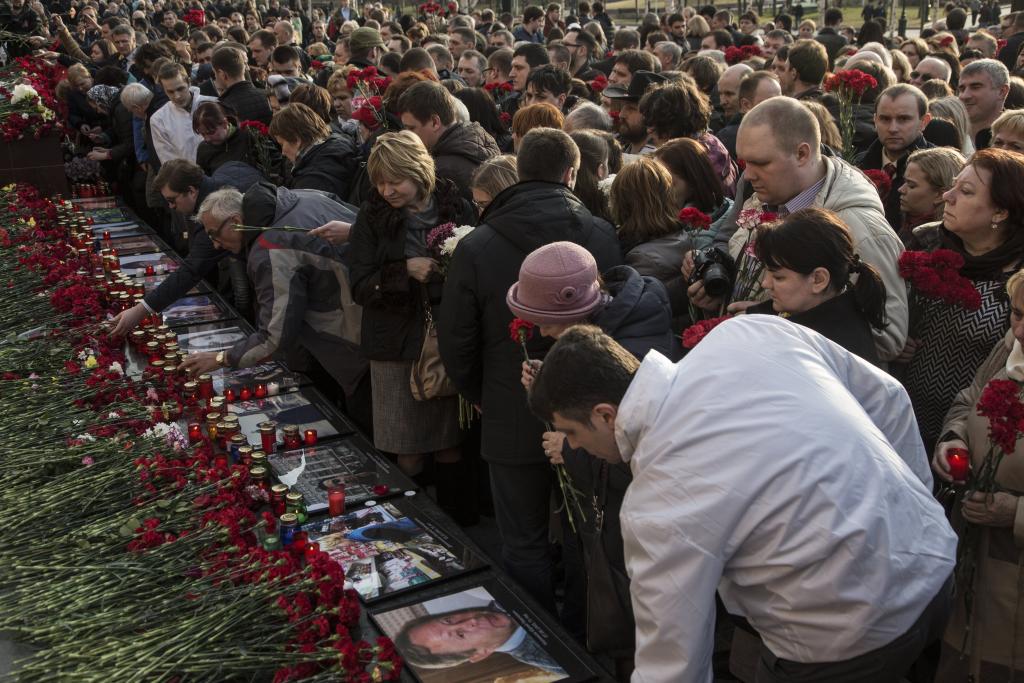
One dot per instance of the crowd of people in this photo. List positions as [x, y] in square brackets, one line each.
[619, 189]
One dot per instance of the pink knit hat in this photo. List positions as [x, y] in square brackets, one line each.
[558, 283]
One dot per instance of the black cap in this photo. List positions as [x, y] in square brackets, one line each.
[641, 83]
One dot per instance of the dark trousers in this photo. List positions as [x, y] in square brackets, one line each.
[522, 497]
[887, 664]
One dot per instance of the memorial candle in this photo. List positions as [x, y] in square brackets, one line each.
[336, 501]
[268, 435]
[261, 391]
[195, 432]
[959, 460]
[291, 437]
[273, 389]
[309, 437]
[229, 395]
[245, 394]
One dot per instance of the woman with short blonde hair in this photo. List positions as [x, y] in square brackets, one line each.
[397, 280]
[929, 175]
[401, 155]
[1008, 131]
[492, 178]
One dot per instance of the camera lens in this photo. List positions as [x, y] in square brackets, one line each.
[716, 280]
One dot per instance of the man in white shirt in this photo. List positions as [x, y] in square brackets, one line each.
[171, 124]
[776, 467]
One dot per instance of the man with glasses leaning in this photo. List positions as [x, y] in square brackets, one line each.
[303, 295]
[184, 187]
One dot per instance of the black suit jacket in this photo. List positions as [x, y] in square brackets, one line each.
[872, 159]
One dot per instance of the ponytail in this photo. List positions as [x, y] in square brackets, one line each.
[869, 292]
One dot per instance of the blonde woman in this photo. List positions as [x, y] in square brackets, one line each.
[1008, 131]
[950, 108]
[493, 177]
[929, 175]
[395, 278]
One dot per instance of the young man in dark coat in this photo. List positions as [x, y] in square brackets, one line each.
[248, 102]
[485, 363]
[901, 114]
[458, 148]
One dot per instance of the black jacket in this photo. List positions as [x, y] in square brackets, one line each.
[1008, 55]
[241, 146]
[480, 357]
[638, 317]
[833, 43]
[459, 152]
[638, 314]
[872, 159]
[248, 102]
[328, 166]
[728, 134]
[838, 319]
[202, 256]
[392, 301]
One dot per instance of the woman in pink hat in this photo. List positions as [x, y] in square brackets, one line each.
[559, 286]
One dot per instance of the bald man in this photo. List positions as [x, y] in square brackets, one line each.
[729, 90]
[781, 143]
[929, 68]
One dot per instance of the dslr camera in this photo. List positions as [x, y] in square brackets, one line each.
[715, 269]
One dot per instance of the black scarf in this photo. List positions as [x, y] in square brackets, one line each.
[990, 265]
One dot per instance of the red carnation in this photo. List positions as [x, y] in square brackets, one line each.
[1000, 403]
[694, 218]
[520, 330]
[255, 126]
[946, 41]
[599, 84]
[733, 55]
[881, 180]
[693, 334]
[936, 276]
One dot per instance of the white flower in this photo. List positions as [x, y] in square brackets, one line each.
[605, 184]
[171, 433]
[116, 367]
[448, 246]
[85, 438]
[23, 92]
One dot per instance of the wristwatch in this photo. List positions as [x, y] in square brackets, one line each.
[222, 359]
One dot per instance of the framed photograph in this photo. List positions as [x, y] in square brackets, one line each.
[264, 373]
[107, 215]
[96, 202]
[210, 337]
[129, 245]
[135, 265]
[202, 308]
[351, 462]
[298, 408]
[151, 282]
[118, 230]
[390, 548]
[482, 634]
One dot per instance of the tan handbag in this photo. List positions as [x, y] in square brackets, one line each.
[428, 379]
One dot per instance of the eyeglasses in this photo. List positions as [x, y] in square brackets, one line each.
[214, 235]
